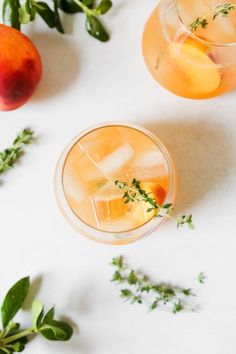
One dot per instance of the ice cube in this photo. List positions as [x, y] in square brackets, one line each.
[73, 188]
[101, 142]
[150, 166]
[84, 210]
[81, 176]
[136, 139]
[108, 204]
[116, 160]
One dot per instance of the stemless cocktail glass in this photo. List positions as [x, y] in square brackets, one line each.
[85, 182]
[192, 61]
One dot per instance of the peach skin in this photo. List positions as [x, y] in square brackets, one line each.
[20, 68]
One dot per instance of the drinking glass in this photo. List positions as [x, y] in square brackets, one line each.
[191, 61]
[85, 182]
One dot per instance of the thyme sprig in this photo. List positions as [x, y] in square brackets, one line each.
[139, 289]
[10, 156]
[222, 10]
[135, 193]
[201, 278]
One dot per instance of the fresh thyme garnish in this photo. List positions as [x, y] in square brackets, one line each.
[139, 289]
[10, 156]
[201, 278]
[135, 193]
[222, 10]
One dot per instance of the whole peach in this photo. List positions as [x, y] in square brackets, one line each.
[20, 68]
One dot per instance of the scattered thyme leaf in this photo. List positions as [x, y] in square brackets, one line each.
[222, 10]
[178, 307]
[117, 276]
[135, 193]
[10, 156]
[118, 262]
[139, 289]
[201, 278]
[126, 293]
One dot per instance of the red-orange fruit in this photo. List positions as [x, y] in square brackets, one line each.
[20, 68]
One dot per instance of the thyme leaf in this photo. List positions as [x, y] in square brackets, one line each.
[10, 156]
[222, 10]
[137, 288]
[135, 193]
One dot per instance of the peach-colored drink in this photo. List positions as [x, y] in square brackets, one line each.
[197, 63]
[100, 157]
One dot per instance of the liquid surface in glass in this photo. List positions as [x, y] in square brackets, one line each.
[194, 64]
[103, 156]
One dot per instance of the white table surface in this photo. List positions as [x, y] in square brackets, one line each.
[86, 82]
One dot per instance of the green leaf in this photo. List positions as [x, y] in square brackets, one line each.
[132, 278]
[104, 6]
[11, 328]
[10, 13]
[118, 262]
[58, 23]
[56, 330]
[18, 346]
[117, 276]
[37, 314]
[69, 6]
[24, 13]
[126, 293]
[49, 316]
[14, 300]
[96, 29]
[46, 13]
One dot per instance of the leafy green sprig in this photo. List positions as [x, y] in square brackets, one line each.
[17, 13]
[135, 193]
[222, 10]
[139, 289]
[10, 156]
[12, 338]
[201, 278]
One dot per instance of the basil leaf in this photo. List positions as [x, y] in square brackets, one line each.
[96, 29]
[45, 13]
[11, 328]
[17, 346]
[104, 6]
[14, 300]
[58, 23]
[69, 6]
[56, 330]
[24, 13]
[37, 314]
[10, 13]
[49, 316]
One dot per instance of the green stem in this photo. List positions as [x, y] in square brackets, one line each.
[216, 11]
[86, 10]
[19, 335]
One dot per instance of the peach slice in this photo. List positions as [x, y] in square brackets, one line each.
[199, 71]
[140, 212]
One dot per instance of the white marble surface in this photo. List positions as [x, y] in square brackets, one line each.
[85, 83]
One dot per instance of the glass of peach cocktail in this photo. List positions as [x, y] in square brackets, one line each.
[92, 176]
[189, 46]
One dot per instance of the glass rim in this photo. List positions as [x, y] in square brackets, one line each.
[59, 170]
[197, 38]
